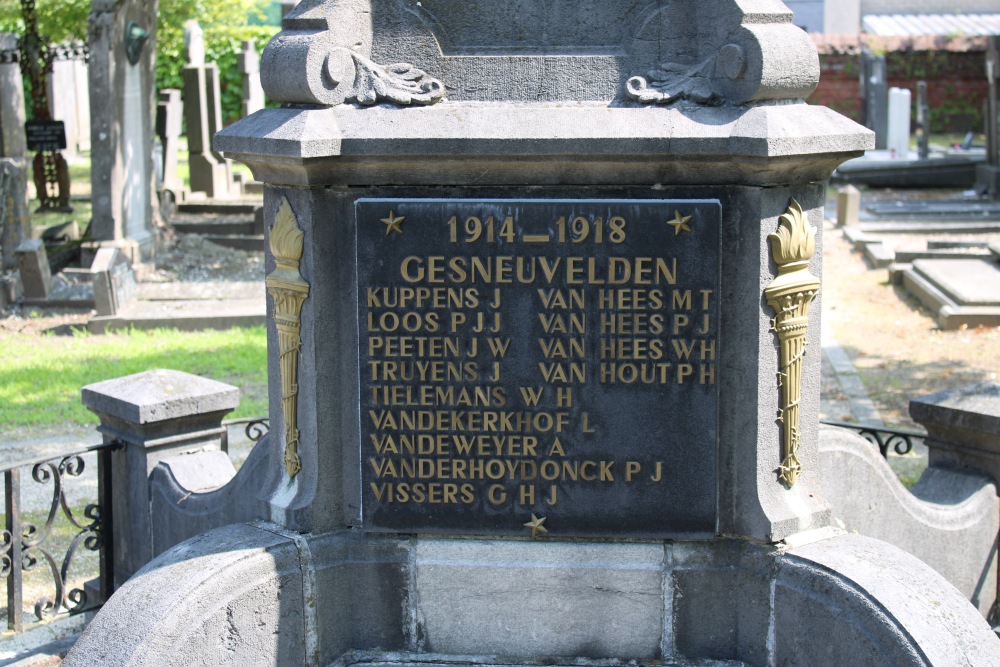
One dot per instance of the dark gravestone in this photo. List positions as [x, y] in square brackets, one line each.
[114, 281]
[504, 344]
[875, 96]
[923, 121]
[988, 175]
[169, 114]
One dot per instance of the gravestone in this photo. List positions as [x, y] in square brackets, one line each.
[169, 112]
[923, 121]
[69, 99]
[544, 375]
[122, 99]
[875, 96]
[848, 206]
[249, 64]
[12, 113]
[113, 280]
[33, 263]
[898, 134]
[15, 224]
[959, 292]
[209, 172]
[14, 215]
[988, 175]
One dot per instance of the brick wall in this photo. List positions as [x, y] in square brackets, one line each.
[956, 85]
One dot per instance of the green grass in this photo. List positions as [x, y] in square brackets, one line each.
[82, 213]
[79, 169]
[41, 377]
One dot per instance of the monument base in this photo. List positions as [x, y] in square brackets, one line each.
[258, 594]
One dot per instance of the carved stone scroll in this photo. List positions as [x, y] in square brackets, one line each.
[371, 83]
[336, 75]
[673, 82]
[289, 291]
[789, 295]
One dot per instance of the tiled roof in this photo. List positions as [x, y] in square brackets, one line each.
[931, 24]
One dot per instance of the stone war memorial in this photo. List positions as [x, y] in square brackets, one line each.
[544, 284]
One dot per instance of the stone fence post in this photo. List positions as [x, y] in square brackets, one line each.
[963, 427]
[154, 415]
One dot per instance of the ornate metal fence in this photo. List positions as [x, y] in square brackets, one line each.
[30, 545]
[901, 441]
[255, 429]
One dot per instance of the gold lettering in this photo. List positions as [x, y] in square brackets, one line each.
[496, 494]
[556, 449]
[684, 371]
[564, 397]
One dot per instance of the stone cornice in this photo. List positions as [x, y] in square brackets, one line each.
[456, 143]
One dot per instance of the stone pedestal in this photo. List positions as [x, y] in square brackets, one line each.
[544, 375]
[152, 416]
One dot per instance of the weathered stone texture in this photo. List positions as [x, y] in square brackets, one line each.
[122, 108]
[949, 520]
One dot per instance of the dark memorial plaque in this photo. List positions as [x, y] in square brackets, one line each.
[539, 367]
[45, 135]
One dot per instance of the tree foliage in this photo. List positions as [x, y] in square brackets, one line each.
[58, 20]
[226, 25]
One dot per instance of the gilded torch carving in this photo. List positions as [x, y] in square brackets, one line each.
[289, 291]
[790, 294]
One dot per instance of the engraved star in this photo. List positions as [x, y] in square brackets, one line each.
[392, 223]
[680, 223]
[536, 525]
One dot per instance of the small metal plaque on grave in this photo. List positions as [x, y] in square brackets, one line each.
[539, 367]
[45, 135]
